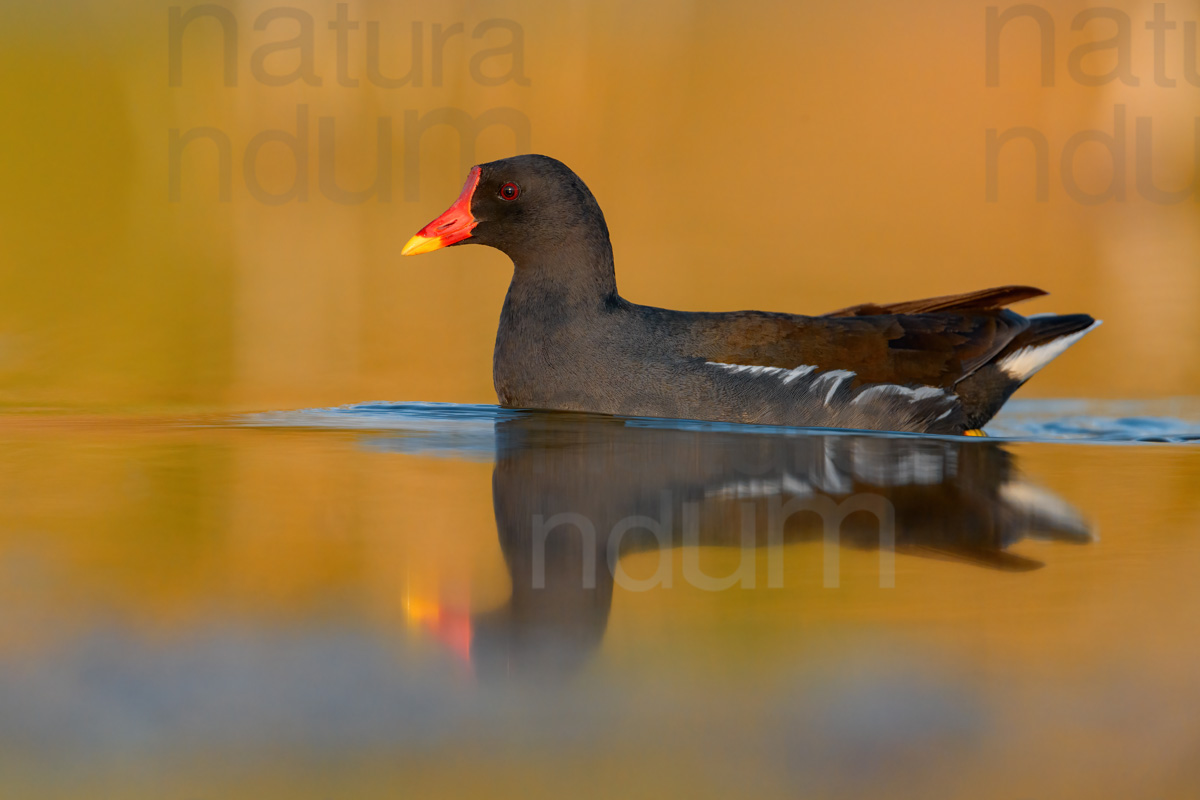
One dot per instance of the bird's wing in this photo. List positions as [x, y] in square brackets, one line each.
[935, 342]
[970, 301]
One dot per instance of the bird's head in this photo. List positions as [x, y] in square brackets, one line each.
[516, 205]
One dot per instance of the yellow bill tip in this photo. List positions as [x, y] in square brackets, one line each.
[421, 244]
[975, 432]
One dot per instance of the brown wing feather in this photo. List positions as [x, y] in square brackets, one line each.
[983, 299]
[926, 349]
[937, 341]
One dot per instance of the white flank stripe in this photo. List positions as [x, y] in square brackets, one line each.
[798, 372]
[786, 375]
[1022, 364]
[913, 395]
[838, 375]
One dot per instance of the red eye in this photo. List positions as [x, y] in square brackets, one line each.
[509, 191]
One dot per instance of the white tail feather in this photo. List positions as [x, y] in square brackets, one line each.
[1023, 363]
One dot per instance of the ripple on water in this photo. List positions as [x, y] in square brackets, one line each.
[1141, 421]
[467, 430]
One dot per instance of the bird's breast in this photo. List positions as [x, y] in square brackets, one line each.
[547, 359]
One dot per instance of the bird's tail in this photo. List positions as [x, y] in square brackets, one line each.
[1047, 337]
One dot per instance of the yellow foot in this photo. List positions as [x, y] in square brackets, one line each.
[975, 432]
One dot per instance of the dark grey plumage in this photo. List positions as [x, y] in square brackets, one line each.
[568, 341]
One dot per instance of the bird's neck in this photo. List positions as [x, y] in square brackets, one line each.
[576, 269]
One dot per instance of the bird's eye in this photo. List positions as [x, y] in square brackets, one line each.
[509, 191]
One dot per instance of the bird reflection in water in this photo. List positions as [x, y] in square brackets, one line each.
[574, 494]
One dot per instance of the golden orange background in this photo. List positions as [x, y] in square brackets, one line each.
[783, 156]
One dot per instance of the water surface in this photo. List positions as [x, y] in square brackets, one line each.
[435, 600]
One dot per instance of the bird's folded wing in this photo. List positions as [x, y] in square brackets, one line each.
[979, 300]
[928, 349]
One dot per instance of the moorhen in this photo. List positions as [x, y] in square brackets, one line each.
[568, 341]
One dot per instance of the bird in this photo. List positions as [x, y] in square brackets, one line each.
[568, 341]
